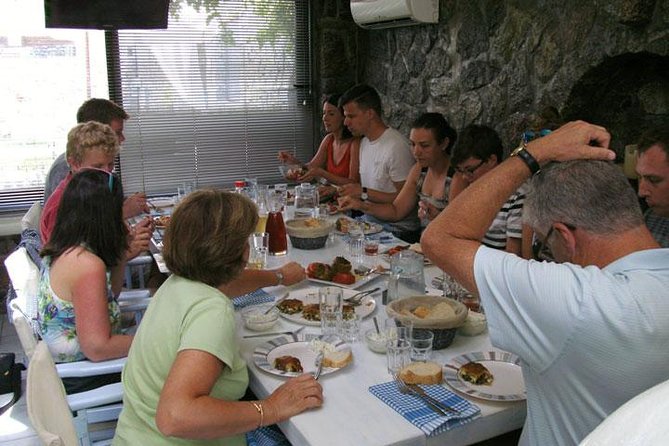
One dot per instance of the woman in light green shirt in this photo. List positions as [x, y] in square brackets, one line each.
[184, 374]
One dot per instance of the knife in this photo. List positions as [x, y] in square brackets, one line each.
[416, 388]
[319, 366]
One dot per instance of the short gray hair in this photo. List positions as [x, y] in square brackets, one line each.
[588, 194]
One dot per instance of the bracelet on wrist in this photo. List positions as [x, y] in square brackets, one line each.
[259, 408]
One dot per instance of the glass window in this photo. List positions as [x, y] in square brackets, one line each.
[215, 96]
[46, 74]
[211, 99]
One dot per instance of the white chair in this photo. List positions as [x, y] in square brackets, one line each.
[642, 421]
[48, 407]
[91, 407]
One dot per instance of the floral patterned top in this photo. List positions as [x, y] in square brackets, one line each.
[55, 317]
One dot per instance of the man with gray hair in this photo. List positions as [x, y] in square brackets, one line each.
[653, 169]
[591, 330]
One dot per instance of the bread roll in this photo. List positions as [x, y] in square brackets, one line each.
[337, 359]
[422, 373]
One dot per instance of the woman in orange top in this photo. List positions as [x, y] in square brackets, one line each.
[337, 159]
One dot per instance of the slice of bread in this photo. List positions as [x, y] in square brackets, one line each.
[337, 359]
[422, 373]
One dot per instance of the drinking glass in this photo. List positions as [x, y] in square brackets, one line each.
[356, 241]
[258, 248]
[421, 345]
[350, 327]
[330, 300]
[394, 331]
[406, 275]
[397, 354]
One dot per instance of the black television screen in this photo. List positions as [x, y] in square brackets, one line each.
[106, 14]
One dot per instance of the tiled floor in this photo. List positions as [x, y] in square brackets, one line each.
[15, 428]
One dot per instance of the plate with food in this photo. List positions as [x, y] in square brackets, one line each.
[494, 376]
[343, 223]
[162, 221]
[302, 306]
[339, 273]
[415, 247]
[284, 356]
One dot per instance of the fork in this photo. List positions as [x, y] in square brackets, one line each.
[356, 299]
[436, 402]
[405, 389]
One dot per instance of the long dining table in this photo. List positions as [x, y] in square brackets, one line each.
[350, 413]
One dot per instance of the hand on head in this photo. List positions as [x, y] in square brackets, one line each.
[574, 140]
[295, 396]
[293, 273]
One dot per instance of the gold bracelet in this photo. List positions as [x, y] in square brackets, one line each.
[258, 406]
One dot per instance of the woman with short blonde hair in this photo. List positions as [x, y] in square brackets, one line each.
[184, 374]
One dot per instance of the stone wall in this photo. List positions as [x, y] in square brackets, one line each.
[500, 62]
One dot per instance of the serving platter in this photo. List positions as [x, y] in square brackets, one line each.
[508, 384]
[310, 296]
[265, 354]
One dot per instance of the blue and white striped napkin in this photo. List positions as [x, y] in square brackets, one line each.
[266, 436]
[256, 297]
[420, 415]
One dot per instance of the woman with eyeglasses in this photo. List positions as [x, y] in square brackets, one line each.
[477, 152]
[82, 275]
[426, 189]
[185, 374]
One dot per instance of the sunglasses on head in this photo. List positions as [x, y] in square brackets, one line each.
[530, 135]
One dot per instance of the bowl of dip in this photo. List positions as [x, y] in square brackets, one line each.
[376, 342]
[255, 317]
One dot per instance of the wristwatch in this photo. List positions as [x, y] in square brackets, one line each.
[531, 162]
[363, 195]
[279, 277]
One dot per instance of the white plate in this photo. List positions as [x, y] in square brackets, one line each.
[161, 202]
[310, 296]
[264, 355]
[508, 384]
[373, 228]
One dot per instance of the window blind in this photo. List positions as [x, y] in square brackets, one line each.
[213, 97]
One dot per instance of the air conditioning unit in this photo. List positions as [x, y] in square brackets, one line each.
[378, 14]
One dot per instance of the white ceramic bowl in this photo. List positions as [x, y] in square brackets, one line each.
[255, 318]
[375, 341]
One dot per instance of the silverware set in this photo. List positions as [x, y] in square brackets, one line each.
[356, 299]
[276, 333]
[415, 390]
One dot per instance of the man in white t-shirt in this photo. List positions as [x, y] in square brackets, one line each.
[590, 328]
[385, 158]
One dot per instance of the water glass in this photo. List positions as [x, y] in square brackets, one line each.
[258, 248]
[394, 331]
[421, 345]
[398, 354]
[350, 327]
[330, 300]
[356, 241]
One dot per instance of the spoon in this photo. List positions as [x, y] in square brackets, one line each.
[376, 325]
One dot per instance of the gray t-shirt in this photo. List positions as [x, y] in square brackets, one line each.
[57, 173]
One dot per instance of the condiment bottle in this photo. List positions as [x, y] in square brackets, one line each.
[275, 227]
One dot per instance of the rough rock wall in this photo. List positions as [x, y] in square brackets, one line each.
[500, 62]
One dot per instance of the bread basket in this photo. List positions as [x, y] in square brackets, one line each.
[443, 328]
[303, 236]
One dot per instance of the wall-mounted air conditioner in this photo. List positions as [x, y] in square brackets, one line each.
[377, 14]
